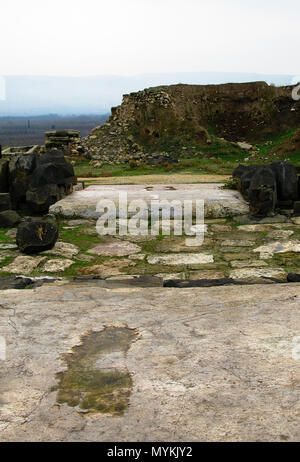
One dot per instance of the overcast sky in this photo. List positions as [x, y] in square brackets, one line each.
[127, 37]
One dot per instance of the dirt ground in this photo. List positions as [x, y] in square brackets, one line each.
[177, 178]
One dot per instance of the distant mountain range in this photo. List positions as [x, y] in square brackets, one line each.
[36, 95]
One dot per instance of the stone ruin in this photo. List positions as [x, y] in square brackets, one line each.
[66, 140]
[19, 150]
[34, 182]
[269, 188]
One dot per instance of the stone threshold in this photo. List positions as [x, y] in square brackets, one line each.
[143, 281]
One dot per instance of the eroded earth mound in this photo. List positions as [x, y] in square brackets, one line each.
[157, 122]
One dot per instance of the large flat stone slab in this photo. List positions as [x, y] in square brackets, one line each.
[218, 202]
[207, 364]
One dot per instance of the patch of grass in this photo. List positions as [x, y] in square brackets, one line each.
[232, 183]
[76, 237]
[219, 157]
[264, 148]
[3, 238]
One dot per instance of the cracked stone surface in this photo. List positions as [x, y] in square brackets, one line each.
[210, 364]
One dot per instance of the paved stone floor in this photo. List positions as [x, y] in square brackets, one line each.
[263, 252]
[205, 364]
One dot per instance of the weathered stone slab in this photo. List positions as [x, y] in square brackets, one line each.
[181, 259]
[173, 244]
[256, 273]
[280, 234]
[23, 265]
[236, 256]
[117, 248]
[215, 351]
[248, 264]
[235, 242]
[107, 268]
[255, 228]
[221, 228]
[264, 227]
[8, 246]
[268, 250]
[218, 202]
[12, 233]
[63, 249]
[170, 276]
[208, 274]
[138, 256]
[247, 219]
[57, 265]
